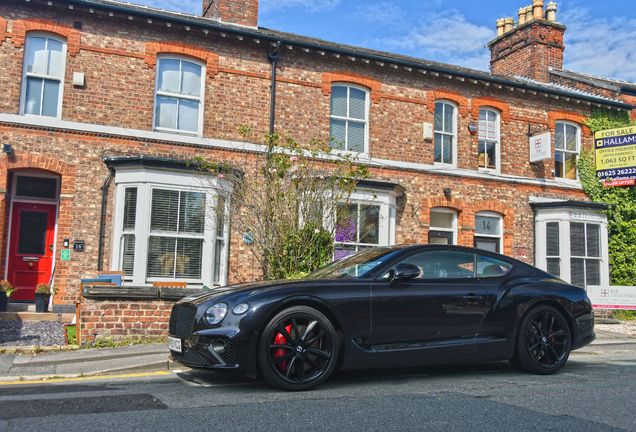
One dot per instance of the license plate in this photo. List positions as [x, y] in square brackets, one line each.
[174, 344]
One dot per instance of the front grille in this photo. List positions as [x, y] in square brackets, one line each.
[182, 321]
[229, 355]
[191, 357]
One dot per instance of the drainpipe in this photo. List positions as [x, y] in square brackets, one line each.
[104, 189]
[273, 58]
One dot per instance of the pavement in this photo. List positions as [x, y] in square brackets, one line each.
[18, 364]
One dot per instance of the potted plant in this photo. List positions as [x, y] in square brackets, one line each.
[42, 294]
[6, 289]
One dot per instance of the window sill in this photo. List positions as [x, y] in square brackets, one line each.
[96, 292]
[177, 132]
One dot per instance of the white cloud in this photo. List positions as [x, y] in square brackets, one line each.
[309, 5]
[443, 37]
[599, 47]
[384, 12]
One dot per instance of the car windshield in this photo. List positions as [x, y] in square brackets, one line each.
[358, 265]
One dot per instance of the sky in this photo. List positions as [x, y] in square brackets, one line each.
[600, 39]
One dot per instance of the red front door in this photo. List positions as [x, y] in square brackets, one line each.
[31, 248]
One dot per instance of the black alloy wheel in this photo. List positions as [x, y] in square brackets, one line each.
[544, 341]
[298, 349]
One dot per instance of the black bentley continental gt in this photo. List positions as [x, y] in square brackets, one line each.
[384, 307]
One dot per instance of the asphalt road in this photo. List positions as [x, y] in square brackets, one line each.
[592, 393]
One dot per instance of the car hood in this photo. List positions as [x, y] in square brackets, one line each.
[248, 288]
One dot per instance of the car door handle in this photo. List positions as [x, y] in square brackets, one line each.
[472, 297]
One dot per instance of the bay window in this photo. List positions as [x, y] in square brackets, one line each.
[168, 228]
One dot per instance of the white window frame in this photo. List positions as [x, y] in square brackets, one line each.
[147, 179]
[387, 216]
[452, 230]
[26, 74]
[452, 134]
[564, 151]
[200, 98]
[348, 119]
[498, 237]
[564, 216]
[496, 141]
[586, 258]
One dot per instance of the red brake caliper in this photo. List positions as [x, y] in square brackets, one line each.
[279, 352]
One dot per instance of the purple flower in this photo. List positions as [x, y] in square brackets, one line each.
[345, 231]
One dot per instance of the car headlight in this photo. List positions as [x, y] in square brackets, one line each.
[240, 308]
[215, 313]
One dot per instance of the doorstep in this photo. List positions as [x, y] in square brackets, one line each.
[35, 316]
[26, 312]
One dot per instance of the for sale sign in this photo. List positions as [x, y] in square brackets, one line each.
[616, 156]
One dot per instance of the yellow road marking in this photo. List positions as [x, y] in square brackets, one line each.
[56, 380]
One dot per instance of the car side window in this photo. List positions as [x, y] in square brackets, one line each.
[491, 267]
[440, 264]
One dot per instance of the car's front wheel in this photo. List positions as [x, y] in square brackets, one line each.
[543, 342]
[298, 349]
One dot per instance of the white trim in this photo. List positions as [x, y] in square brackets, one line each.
[60, 96]
[200, 98]
[453, 134]
[50, 122]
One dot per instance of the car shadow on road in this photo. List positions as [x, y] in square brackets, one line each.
[347, 377]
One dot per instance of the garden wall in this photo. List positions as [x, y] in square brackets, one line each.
[121, 313]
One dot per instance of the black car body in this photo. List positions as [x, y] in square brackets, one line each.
[385, 307]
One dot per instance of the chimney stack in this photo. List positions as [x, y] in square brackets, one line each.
[243, 12]
[530, 48]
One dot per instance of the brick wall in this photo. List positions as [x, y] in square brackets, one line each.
[243, 12]
[121, 320]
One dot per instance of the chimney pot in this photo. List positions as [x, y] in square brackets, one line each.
[500, 27]
[508, 24]
[537, 7]
[529, 15]
[551, 10]
[522, 15]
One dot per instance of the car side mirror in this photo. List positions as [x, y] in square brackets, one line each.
[406, 271]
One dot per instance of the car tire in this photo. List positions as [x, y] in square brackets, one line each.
[543, 341]
[298, 349]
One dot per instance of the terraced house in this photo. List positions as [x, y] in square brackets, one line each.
[105, 103]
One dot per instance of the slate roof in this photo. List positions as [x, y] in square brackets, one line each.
[342, 49]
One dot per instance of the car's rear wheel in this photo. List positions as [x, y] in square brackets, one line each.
[298, 349]
[543, 342]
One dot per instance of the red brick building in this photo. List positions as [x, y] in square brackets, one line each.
[106, 102]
